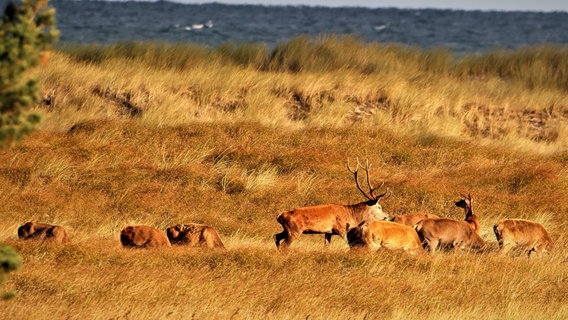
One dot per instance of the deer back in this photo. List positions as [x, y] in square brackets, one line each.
[143, 237]
[413, 218]
[448, 231]
[522, 232]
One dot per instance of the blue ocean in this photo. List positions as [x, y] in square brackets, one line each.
[462, 32]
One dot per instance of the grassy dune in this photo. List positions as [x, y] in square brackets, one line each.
[230, 136]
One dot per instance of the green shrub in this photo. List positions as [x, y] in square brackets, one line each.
[9, 261]
[26, 32]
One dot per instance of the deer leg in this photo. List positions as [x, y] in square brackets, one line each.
[459, 245]
[291, 236]
[432, 245]
[327, 238]
[536, 249]
[531, 250]
[505, 247]
[501, 244]
[279, 237]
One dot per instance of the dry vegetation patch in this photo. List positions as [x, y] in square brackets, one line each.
[331, 81]
[116, 173]
[230, 138]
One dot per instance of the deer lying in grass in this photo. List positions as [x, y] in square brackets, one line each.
[451, 233]
[375, 234]
[194, 235]
[330, 219]
[41, 231]
[143, 237]
[520, 233]
[413, 218]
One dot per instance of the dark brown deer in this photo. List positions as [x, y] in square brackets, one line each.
[451, 233]
[194, 235]
[41, 231]
[330, 219]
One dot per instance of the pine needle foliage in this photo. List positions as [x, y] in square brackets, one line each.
[9, 261]
[26, 32]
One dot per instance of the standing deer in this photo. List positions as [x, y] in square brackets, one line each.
[524, 234]
[330, 219]
[451, 233]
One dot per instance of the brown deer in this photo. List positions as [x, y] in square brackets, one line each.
[451, 233]
[466, 203]
[519, 233]
[194, 235]
[413, 218]
[375, 234]
[143, 237]
[41, 231]
[330, 219]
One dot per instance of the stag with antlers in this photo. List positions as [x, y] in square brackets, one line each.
[331, 219]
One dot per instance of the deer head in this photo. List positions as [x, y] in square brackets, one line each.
[466, 203]
[371, 195]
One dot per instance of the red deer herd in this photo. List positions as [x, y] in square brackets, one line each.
[363, 226]
[330, 219]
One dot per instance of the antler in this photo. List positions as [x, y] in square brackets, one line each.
[371, 195]
[389, 191]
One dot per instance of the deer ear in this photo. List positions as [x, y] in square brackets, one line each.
[347, 225]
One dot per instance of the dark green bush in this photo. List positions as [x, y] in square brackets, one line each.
[26, 32]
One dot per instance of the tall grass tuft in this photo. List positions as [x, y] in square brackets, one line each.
[536, 67]
[515, 95]
[157, 55]
[253, 55]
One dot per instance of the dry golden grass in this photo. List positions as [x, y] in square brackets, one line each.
[124, 142]
[100, 280]
[517, 95]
